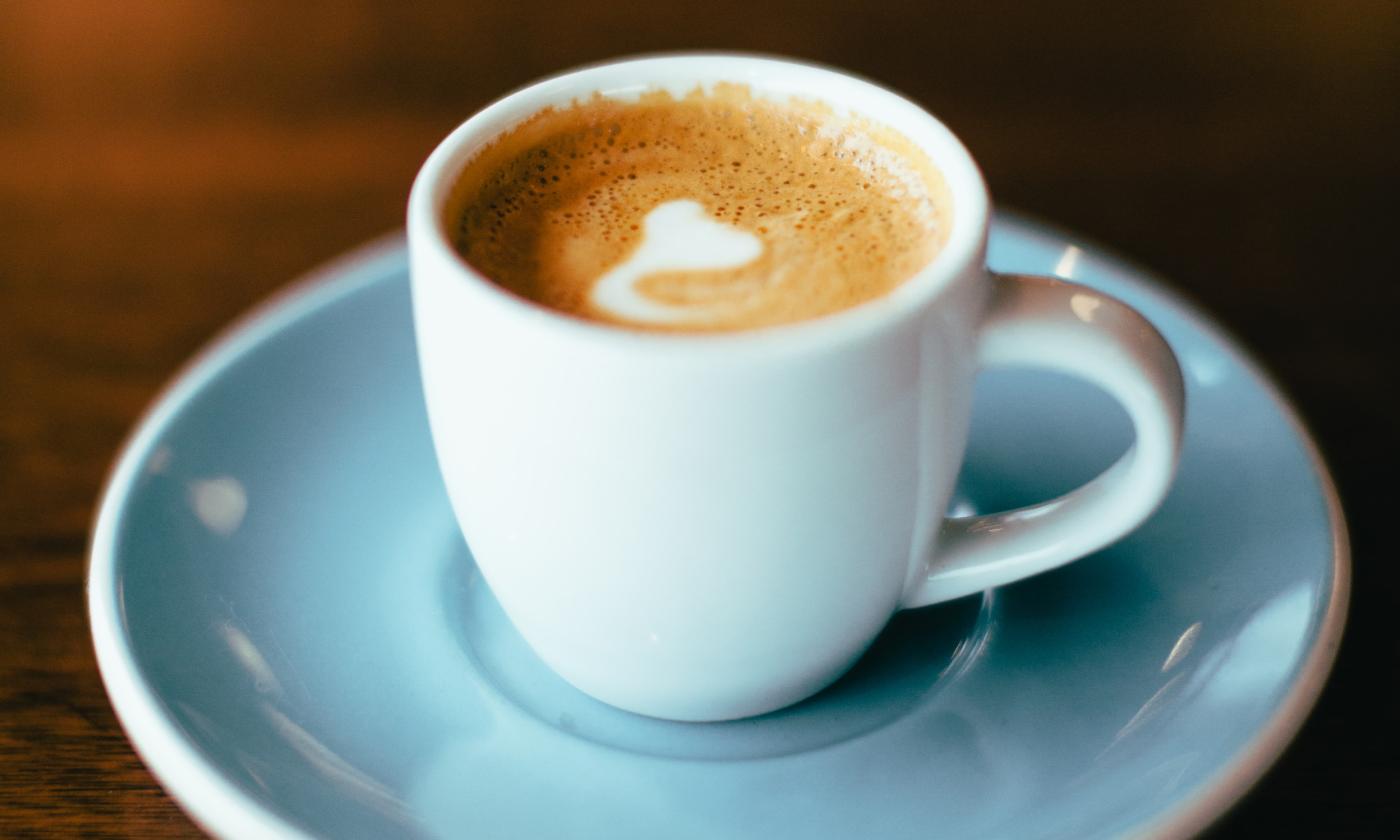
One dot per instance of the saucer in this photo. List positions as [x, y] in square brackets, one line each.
[298, 644]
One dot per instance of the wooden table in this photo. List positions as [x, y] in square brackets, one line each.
[164, 165]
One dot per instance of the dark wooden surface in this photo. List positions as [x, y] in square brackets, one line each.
[164, 164]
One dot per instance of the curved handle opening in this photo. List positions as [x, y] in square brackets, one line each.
[1048, 324]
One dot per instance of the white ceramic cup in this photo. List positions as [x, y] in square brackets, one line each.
[706, 527]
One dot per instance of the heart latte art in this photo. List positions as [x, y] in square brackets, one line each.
[716, 211]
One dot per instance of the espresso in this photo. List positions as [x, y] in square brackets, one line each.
[716, 211]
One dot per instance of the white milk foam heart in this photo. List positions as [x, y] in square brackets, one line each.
[677, 237]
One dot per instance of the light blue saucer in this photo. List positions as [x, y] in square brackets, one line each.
[298, 644]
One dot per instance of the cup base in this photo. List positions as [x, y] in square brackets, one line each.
[918, 652]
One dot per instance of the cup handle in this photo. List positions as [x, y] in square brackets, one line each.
[1039, 322]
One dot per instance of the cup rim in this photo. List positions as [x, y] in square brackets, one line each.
[766, 74]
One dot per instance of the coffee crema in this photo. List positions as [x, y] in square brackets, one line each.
[716, 211]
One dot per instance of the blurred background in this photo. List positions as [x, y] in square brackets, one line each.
[165, 164]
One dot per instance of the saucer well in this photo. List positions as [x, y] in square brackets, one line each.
[296, 640]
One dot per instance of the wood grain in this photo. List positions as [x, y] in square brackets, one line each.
[164, 165]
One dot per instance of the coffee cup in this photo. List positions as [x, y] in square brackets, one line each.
[691, 507]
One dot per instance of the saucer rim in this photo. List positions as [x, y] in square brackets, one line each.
[222, 808]
[1212, 798]
[217, 804]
